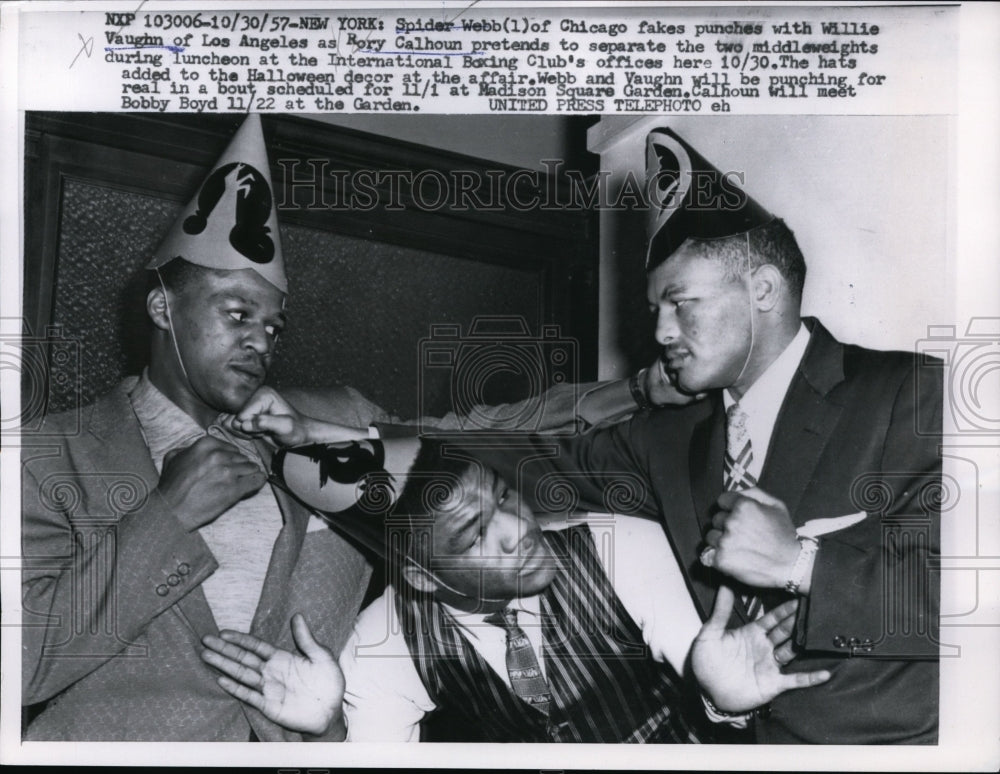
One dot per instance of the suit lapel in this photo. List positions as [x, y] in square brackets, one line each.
[116, 428]
[802, 429]
[269, 618]
[800, 435]
[708, 444]
[806, 421]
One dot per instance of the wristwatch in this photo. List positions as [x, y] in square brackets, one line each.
[637, 386]
[808, 546]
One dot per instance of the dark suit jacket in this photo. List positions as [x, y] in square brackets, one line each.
[113, 607]
[845, 440]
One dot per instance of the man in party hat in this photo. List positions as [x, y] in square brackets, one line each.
[152, 526]
[811, 472]
[494, 629]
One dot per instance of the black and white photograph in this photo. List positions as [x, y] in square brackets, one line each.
[402, 431]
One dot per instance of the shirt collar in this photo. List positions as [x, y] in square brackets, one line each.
[166, 426]
[163, 423]
[767, 393]
[530, 606]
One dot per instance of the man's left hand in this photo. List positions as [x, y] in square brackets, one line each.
[752, 539]
[740, 669]
[300, 691]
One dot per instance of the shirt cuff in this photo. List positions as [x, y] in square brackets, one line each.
[735, 719]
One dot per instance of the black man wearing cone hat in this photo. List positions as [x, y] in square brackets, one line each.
[152, 526]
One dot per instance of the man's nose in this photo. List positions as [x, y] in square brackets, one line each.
[257, 339]
[666, 325]
[516, 524]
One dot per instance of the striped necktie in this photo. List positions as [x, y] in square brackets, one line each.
[736, 475]
[522, 664]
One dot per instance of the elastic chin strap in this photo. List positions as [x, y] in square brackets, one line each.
[453, 590]
[753, 332]
[170, 326]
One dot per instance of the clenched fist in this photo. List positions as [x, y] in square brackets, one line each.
[206, 479]
[752, 539]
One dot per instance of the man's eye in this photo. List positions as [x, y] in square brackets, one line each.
[237, 314]
[272, 330]
[502, 496]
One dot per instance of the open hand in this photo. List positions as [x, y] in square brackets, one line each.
[740, 668]
[301, 691]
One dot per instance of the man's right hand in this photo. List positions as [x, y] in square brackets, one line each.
[660, 391]
[268, 415]
[206, 479]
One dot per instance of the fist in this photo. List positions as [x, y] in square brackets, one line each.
[206, 479]
[267, 414]
[752, 539]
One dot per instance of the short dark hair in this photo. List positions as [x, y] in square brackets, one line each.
[178, 275]
[430, 481]
[773, 243]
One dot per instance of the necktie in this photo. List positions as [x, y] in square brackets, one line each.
[739, 453]
[522, 664]
[736, 475]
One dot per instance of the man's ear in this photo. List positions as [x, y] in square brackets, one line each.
[419, 578]
[156, 308]
[768, 286]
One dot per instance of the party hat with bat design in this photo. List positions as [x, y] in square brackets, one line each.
[232, 222]
[690, 198]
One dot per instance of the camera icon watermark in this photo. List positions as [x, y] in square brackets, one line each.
[46, 364]
[969, 367]
[497, 354]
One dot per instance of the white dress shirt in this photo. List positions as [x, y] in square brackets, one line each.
[762, 403]
[385, 699]
[763, 400]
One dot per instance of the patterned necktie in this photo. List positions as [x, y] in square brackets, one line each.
[522, 664]
[736, 475]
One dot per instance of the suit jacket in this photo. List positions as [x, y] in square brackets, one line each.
[845, 440]
[113, 607]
